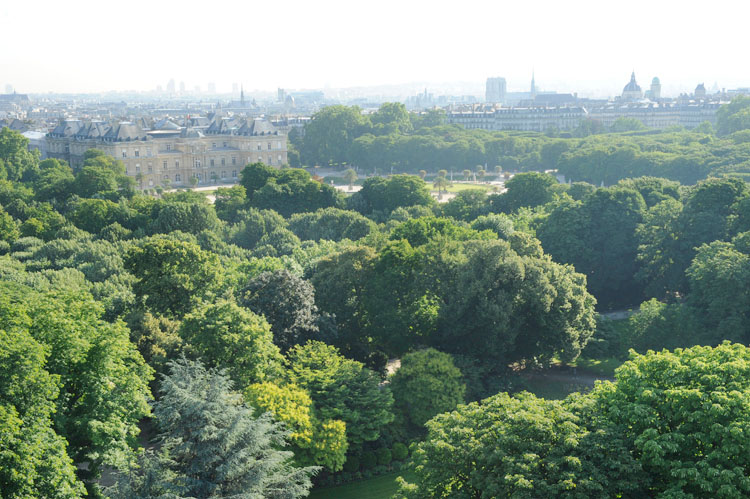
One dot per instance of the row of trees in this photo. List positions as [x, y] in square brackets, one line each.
[392, 138]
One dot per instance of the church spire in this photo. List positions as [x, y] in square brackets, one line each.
[533, 85]
[242, 95]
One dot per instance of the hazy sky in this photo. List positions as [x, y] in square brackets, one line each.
[588, 46]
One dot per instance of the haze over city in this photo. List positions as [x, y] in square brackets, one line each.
[582, 46]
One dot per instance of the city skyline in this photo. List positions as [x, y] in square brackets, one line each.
[576, 47]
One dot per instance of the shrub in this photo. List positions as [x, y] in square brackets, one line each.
[352, 464]
[399, 451]
[369, 460]
[384, 456]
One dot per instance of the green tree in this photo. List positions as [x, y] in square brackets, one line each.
[350, 176]
[172, 275]
[33, 458]
[341, 389]
[320, 443]
[734, 116]
[426, 384]
[288, 303]
[330, 134]
[225, 335]
[239, 455]
[527, 189]
[331, 224]
[520, 446]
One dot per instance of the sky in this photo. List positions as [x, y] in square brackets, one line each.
[591, 47]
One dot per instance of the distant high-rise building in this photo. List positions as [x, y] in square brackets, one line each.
[280, 95]
[495, 90]
[182, 87]
[211, 88]
[655, 89]
[8, 88]
[700, 91]
[170, 87]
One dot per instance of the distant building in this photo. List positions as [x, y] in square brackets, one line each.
[495, 90]
[700, 91]
[171, 87]
[527, 119]
[632, 90]
[655, 92]
[172, 154]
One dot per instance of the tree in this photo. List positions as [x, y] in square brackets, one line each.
[287, 302]
[734, 116]
[15, 156]
[350, 176]
[426, 384]
[214, 445]
[330, 134]
[527, 189]
[422, 174]
[33, 458]
[227, 336]
[331, 224]
[103, 380]
[382, 195]
[340, 280]
[682, 415]
[172, 275]
[520, 446]
[193, 218]
[504, 307]
[467, 174]
[342, 389]
[320, 443]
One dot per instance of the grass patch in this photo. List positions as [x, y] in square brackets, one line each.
[381, 487]
[600, 367]
[465, 187]
[551, 389]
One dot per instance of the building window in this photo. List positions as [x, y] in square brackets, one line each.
[279, 158]
[234, 173]
[223, 161]
[137, 169]
[177, 163]
[212, 161]
[150, 168]
[270, 160]
[148, 152]
[124, 153]
[137, 153]
[177, 178]
[269, 146]
[169, 147]
[197, 163]
[223, 144]
[213, 144]
[260, 147]
[234, 160]
[164, 164]
[223, 175]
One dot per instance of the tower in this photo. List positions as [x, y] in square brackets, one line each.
[494, 90]
[655, 89]
[242, 96]
[533, 85]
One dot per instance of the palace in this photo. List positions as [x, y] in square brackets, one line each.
[169, 154]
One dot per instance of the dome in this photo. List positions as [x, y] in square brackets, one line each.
[655, 81]
[632, 86]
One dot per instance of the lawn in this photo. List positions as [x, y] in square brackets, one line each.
[381, 487]
[464, 187]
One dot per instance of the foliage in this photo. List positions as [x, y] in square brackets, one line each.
[426, 384]
[341, 389]
[225, 335]
[288, 303]
[331, 224]
[171, 274]
[214, 446]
